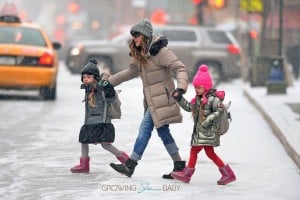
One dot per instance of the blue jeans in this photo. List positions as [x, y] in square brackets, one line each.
[144, 135]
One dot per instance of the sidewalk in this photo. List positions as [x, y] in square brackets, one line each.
[282, 113]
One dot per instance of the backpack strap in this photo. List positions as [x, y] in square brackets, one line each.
[105, 108]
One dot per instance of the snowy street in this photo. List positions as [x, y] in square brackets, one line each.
[39, 144]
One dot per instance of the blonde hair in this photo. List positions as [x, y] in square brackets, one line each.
[92, 99]
[138, 53]
[201, 114]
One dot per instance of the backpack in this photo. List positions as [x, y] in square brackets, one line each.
[225, 118]
[114, 108]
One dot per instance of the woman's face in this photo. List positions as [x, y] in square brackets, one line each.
[199, 90]
[137, 38]
[88, 79]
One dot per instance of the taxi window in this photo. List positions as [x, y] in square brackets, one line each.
[25, 36]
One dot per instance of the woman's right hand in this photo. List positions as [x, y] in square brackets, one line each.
[108, 89]
[105, 75]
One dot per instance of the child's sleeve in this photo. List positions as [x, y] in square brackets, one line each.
[185, 105]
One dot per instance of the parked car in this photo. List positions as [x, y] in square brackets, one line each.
[111, 55]
[194, 45]
[27, 57]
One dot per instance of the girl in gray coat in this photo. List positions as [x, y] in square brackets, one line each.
[156, 65]
[97, 126]
[206, 110]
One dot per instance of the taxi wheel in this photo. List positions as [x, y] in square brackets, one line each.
[48, 93]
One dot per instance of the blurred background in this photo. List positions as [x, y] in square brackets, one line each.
[263, 28]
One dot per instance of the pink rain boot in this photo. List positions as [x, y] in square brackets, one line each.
[123, 157]
[227, 175]
[185, 175]
[83, 167]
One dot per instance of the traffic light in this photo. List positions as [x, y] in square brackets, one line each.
[253, 34]
[200, 2]
[73, 7]
[200, 5]
[218, 4]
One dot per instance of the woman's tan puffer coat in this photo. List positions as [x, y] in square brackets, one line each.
[158, 83]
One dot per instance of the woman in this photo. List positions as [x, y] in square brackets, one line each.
[156, 64]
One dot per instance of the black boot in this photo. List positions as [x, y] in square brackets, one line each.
[127, 168]
[178, 166]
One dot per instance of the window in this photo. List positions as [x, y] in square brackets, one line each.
[178, 35]
[17, 35]
[219, 37]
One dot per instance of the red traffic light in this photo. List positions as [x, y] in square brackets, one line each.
[253, 34]
[197, 1]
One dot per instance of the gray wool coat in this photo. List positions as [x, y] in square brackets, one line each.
[158, 82]
[97, 114]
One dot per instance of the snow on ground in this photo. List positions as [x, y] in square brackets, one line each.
[39, 146]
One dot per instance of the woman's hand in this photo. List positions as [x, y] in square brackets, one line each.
[108, 89]
[177, 94]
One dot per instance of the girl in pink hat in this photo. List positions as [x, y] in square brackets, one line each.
[206, 110]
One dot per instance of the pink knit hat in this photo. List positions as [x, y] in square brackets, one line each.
[203, 78]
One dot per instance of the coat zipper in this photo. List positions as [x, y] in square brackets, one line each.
[167, 94]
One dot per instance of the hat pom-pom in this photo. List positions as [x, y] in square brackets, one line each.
[93, 60]
[203, 68]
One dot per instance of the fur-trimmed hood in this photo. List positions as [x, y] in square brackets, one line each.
[158, 42]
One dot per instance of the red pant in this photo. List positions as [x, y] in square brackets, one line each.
[209, 150]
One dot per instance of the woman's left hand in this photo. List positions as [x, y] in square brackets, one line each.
[177, 94]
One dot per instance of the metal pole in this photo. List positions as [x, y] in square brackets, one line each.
[280, 27]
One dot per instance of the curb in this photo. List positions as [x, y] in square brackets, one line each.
[276, 131]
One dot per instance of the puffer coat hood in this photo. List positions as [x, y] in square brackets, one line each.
[158, 42]
[158, 83]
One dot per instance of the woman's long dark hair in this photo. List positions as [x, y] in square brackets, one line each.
[139, 53]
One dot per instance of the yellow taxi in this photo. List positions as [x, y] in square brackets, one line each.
[28, 59]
